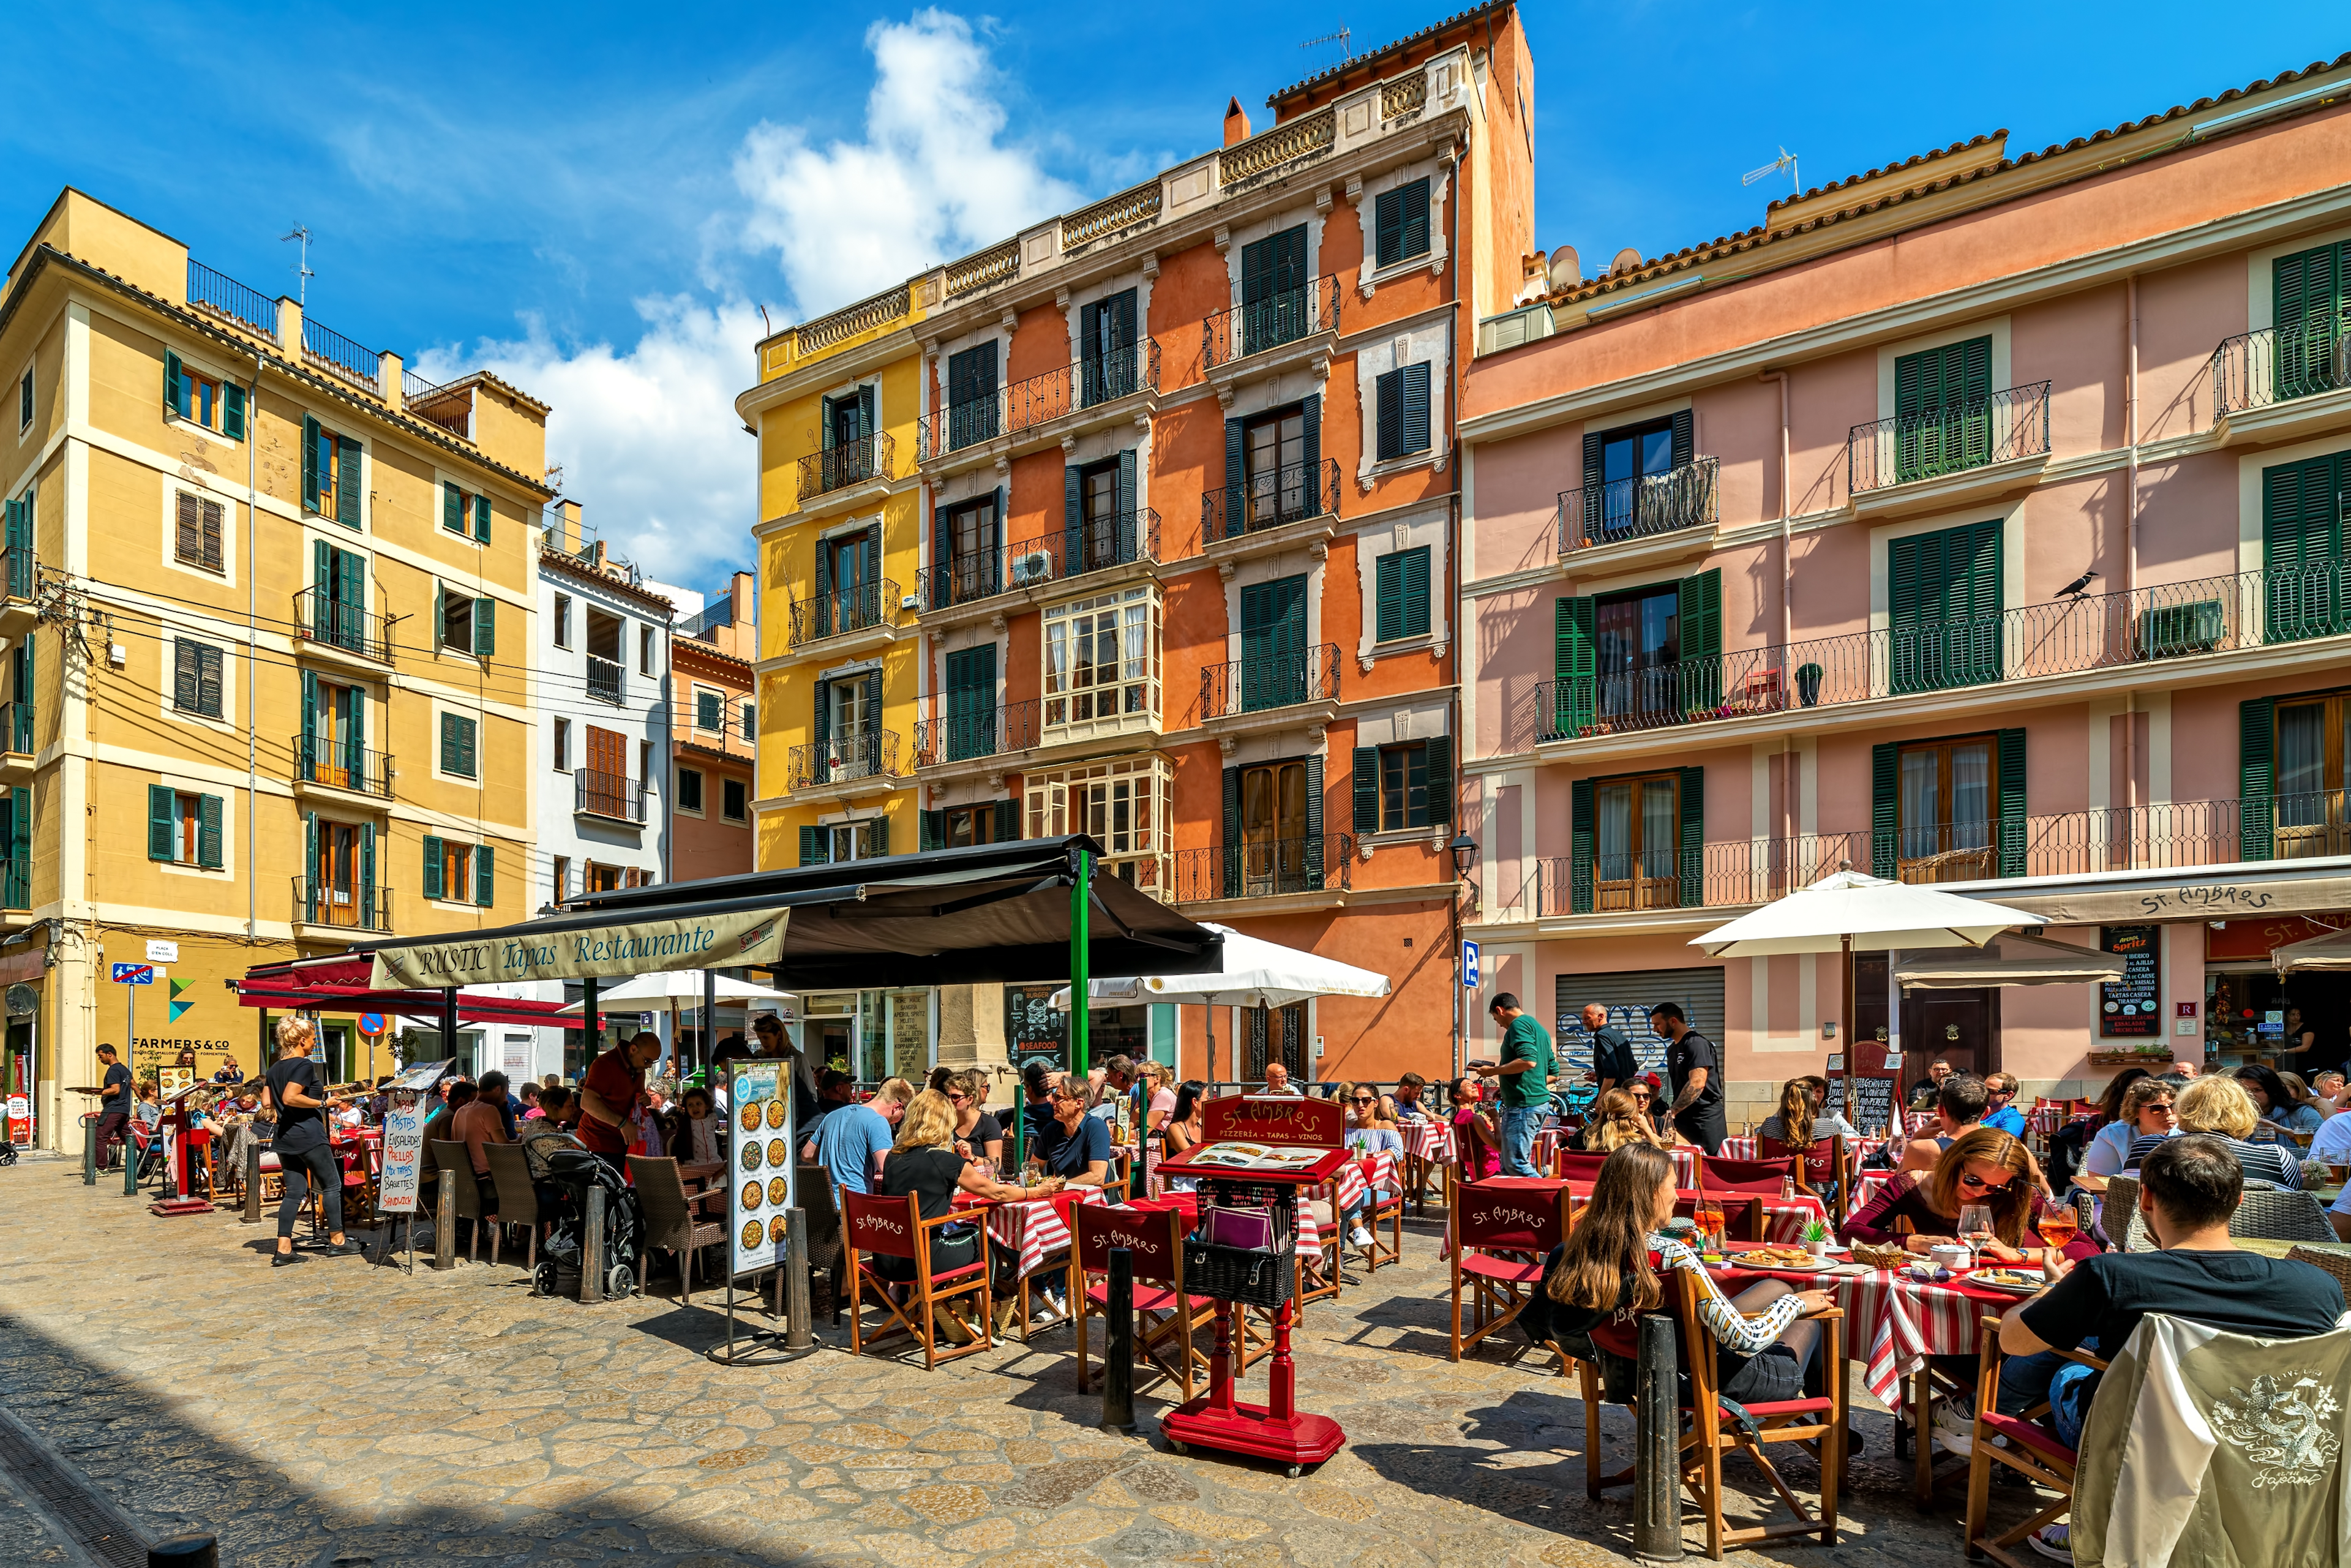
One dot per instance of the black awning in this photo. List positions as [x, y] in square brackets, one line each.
[989, 913]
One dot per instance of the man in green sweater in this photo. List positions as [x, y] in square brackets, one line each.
[1525, 1070]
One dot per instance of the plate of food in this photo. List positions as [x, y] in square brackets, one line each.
[2020, 1279]
[1785, 1258]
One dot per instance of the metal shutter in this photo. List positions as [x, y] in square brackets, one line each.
[1629, 994]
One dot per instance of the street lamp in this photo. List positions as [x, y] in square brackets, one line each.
[1465, 854]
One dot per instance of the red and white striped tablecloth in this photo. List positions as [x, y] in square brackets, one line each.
[1430, 1139]
[1744, 1148]
[1036, 1229]
[1893, 1324]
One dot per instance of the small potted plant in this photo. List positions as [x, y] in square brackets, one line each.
[1817, 1236]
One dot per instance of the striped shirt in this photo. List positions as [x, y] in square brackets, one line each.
[2274, 1162]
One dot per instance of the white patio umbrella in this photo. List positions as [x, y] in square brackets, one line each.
[2008, 961]
[2331, 951]
[674, 991]
[1256, 973]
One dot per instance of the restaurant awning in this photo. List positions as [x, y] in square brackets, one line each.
[2009, 960]
[2332, 951]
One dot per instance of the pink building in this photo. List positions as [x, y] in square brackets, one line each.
[716, 731]
[1975, 521]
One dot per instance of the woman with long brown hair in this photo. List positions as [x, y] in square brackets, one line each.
[1614, 1267]
[1918, 1209]
[1622, 1118]
[1799, 1123]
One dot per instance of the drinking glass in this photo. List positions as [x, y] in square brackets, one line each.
[1975, 1229]
[1032, 1171]
[1708, 1216]
[2059, 1225]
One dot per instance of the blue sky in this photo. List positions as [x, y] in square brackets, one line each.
[597, 200]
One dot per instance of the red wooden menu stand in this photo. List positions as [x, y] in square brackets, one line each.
[1276, 1430]
[179, 1201]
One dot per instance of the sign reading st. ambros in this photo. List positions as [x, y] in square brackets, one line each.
[597, 952]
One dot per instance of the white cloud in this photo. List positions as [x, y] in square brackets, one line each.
[930, 180]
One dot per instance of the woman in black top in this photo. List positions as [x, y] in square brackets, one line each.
[299, 1090]
[978, 1134]
[921, 1161]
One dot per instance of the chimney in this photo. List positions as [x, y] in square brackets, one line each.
[1236, 124]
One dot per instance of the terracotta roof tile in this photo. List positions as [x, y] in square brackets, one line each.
[1357, 62]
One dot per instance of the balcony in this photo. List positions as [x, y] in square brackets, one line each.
[329, 911]
[1652, 517]
[847, 471]
[609, 797]
[18, 749]
[2188, 627]
[325, 763]
[325, 625]
[19, 614]
[1270, 334]
[217, 294]
[1299, 492]
[862, 615]
[1041, 732]
[17, 888]
[1126, 539]
[2278, 384]
[1036, 412]
[607, 679]
[1949, 456]
[324, 348]
[842, 761]
[1271, 691]
[1304, 872]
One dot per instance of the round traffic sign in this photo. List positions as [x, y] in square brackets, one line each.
[371, 1023]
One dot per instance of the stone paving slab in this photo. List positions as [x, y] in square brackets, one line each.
[340, 1414]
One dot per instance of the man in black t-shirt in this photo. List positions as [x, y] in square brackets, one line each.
[1693, 1070]
[1613, 1063]
[115, 1097]
[2188, 1189]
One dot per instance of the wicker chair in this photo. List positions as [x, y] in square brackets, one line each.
[671, 1222]
[824, 1248]
[2336, 1260]
[2276, 1214]
[454, 1162]
[2124, 1224]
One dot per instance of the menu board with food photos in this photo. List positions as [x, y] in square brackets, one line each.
[2127, 1006]
[760, 1187]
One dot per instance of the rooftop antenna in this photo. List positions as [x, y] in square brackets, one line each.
[1786, 159]
[302, 273]
[1340, 37]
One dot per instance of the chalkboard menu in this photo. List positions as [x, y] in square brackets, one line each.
[2127, 1006]
[1034, 1030]
[1873, 1096]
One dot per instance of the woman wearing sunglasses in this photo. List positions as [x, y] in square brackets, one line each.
[1369, 1132]
[1917, 1210]
[2143, 1111]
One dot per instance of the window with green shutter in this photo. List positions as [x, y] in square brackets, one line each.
[1274, 287]
[330, 474]
[458, 734]
[2311, 294]
[1943, 599]
[1942, 407]
[196, 678]
[1575, 635]
[1400, 223]
[1401, 399]
[1949, 810]
[16, 832]
[1642, 840]
[1273, 643]
[1401, 594]
[971, 396]
[709, 712]
[2303, 592]
[183, 827]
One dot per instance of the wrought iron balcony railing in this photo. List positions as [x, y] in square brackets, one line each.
[1908, 447]
[852, 463]
[1265, 868]
[1261, 324]
[966, 732]
[362, 908]
[856, 608]
[17, 563]
[2065, 636]
[319, 617]
[2254, 369]
[451, 410]
[225, 296]
[15, 884]
[1271, 681]
[318, 760]
[1278, 495]
[1650, 504]
[16, 727]
[843, 759]
[607, 678]
[615, 796]
[324, 348]
[1121, 539]
[1023, 406]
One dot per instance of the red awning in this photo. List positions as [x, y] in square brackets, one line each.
[522, 1012]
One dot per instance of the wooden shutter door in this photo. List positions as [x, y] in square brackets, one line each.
[971, 702]
[1692, 828]
[1388, 393]
[1700, 614]
[1230, 880]
[2256, 778]
[1415, 407]
[1576, 654]
[1580, 846]
[608, 769]
[2011, 802]
[1884, 809]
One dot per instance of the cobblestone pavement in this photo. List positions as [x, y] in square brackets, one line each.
[336, 1413]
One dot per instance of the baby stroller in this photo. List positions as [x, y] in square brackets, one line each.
[578, 1171]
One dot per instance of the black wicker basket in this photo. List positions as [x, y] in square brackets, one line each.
[1243, 1274]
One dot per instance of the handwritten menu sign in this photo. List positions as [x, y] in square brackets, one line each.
[1872, 1101]
[2127, 1008]
[1033, 1029]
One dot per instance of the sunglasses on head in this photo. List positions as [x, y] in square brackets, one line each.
[1969, 1179]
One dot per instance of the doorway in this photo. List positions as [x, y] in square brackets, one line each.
[1960, 1027]
[1277, 1034]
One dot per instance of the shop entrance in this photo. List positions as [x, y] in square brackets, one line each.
[1277, 1035]
[1960, 1027]
[2238, 1006]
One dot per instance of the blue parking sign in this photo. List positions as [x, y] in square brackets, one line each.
[1469, 964]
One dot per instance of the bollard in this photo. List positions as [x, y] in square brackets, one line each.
[88, 1151]
[252, 1182]
[185, 1552]
[799, 1328]
[1656, 1470]
[1118, 1351]
[592, 1250]
[445, 1223]
[131, 1164]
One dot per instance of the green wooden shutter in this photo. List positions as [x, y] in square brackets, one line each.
[468, 739]
[878, 835]
[1685, 438]
[435, 868]
[816, 846]
[175, 385]
[1440, 779]
[347, 482]
[1415, 407]
[485, 882]
[450, 750]
[1387, 618]
[1229, 844]
[820, 721]
[1388, 216]
[1700, 612]
[20, 848]
[310, 865]
[208, 831]
[1387, 391]
[873, 718]
[1313, 822]
[2256, 778]
[162, 802]
[1008, 821]
[453, 508]
[867, 417]
[2012, 803]
[1416, 217]
[930, 829]
[1577, 634]
[208, 681]
[1236, 478]
[1366, 776]
[2301, 549]
[1884, 809]
[2308, 291]
[1581, 844]
[184, 675]
[482, 520]
[1693, 838]
[1073, 521]
[309, 466]
[486, 626]
[355, 739]
[1310, 490]
[1127, 542]
[233, 411]
[440, 612]
[370, 919]
[307, 763]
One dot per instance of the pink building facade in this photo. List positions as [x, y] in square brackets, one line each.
[1977, 520]
[716, 731]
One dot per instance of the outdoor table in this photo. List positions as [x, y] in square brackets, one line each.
[1034, 1230]
[1744, 1148]
[1428, 1151]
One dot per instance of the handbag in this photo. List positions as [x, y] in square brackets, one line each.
[1248, 1229]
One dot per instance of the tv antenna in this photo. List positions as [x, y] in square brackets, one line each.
[302, 273]
[1786, 159]
[1340, 37]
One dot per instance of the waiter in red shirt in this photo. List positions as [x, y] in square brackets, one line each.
[611, 1091]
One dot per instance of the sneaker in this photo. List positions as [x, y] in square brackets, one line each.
[1360, 1237]
[2052, 1540]
[1955, 1428]
[282, 1259]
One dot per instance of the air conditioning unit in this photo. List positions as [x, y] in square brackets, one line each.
[2169, 630]
[1035, 566]
[909, 601]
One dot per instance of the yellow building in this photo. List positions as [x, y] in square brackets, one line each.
[268, 630]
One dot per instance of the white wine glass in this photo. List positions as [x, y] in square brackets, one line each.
[1975, 1229]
